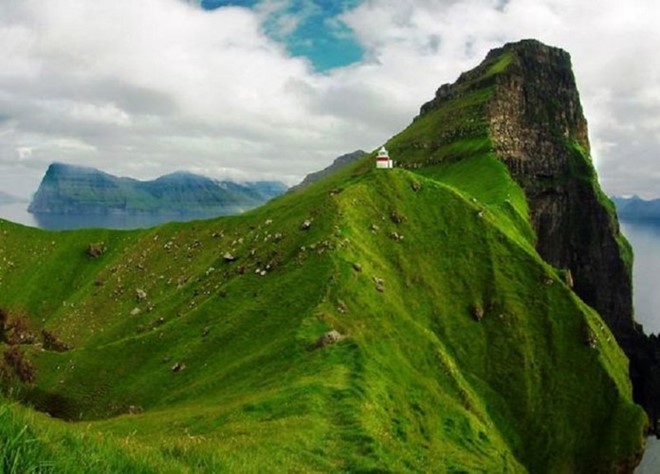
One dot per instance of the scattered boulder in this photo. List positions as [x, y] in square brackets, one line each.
[357, 267]
[477, 312]
[52, 343]
[228, 257]
[416, 186]
[140, 294]
[380, 284]
[568, 278]
[589, 337]
[306, 225]
[95, 250]
[397, 218]
[374, 228]
[134, 410]
[395, 236]
[178, 367]
[135, 311]
[330, 337]
[206, 331]
[20, 365]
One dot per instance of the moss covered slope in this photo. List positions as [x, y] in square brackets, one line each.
[463, 349]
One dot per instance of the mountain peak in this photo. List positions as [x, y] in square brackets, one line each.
[521, 106]
[71, 189]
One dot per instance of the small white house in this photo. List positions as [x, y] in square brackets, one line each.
[383, 160]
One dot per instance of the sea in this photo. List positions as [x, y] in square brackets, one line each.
[17, 212]
[644, 236]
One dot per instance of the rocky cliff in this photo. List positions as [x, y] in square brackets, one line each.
[537, 128]
[67, 189]
[521, 104]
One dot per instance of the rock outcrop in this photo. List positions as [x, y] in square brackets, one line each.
[537, 128]
[533, 121]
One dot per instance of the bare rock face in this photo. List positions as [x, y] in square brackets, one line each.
[534, 120]
[538, 130]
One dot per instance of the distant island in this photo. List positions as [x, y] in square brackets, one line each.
[636, 208]
[75, 190]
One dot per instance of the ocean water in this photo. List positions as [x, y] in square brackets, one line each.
[644, 236]
[18, 213]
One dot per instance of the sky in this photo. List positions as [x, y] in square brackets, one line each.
[275, 89]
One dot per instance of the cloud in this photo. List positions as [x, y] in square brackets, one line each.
[149, 87]
[423, 43]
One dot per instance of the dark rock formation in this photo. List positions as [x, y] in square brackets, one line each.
[336, 165]
[67, 189]
[537, 128]
[330, 337]
[534, 122]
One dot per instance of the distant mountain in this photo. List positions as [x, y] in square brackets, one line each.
[334, 167]
[67, 189]
[637, 208]
[6, 198]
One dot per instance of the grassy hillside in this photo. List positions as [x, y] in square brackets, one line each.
[462, 350]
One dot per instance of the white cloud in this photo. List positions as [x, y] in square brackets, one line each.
[24, 153]
[613, 46]
[147, 87]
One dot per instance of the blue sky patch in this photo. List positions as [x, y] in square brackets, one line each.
[309, 28]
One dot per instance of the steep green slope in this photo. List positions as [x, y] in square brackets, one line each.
[464, 351]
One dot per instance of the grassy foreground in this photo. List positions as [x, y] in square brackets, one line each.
[193, 346]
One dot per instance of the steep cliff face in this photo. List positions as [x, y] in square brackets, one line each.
[538, 130]
[522, 105]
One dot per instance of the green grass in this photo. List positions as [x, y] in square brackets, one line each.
[417, 383]
[472, 358]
